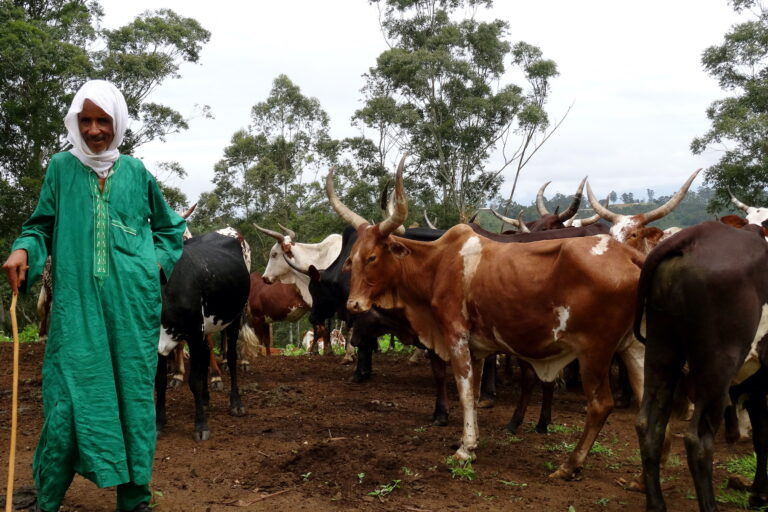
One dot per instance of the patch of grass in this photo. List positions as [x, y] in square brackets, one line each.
[292, 350]
[739, 499]
[385, 490]
[513, 438]
[551, 466]
[461, 469]
[603, 502]
[744, 466]
[559, 447]
[28, 334]
[420, 429]
[406, 471]
[613, 466]
[601, 450]
[305, 476]
[512, 483]
[360, 477]
[674, 461]
[555, 428]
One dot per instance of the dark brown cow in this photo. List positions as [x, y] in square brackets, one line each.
[704, 292]
[277, 302]
[467, 296]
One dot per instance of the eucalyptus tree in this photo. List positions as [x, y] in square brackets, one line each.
[440, 93]
[740, 120]
[48, 48]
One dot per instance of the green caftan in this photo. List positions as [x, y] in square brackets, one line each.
[110, 249]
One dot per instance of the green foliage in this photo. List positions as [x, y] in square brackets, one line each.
[27, 335]
[292, 350]
[437, 93]
[385, 490]
[461, 469]
[744, 466]
[739, 124]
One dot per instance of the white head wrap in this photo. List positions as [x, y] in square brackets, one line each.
[111, 101]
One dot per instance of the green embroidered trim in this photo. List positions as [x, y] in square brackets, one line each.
[101, 223]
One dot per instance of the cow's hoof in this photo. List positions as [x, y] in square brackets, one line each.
[347, 359]
[566, 474]
[464, 454]
[175, 383]
[217, 385]
[513, 425]
[486, 403]
[237, 411]
[542, 428]
[440, 420]
[360, 377]
[202, 435]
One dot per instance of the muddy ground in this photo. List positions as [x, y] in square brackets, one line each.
[313, 440]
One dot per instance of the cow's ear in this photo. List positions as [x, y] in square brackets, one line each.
[314, 274]
[398, 249]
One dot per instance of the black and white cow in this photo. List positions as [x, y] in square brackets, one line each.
[207, 292]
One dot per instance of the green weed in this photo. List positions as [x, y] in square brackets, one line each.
[744, 466]
[461, 469]
[601, 450]
[385, 490]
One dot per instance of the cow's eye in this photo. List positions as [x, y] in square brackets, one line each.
[371, 258]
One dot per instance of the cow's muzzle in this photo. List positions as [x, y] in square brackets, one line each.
[357, 306]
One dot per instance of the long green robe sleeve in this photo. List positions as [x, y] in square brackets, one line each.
[101, 354]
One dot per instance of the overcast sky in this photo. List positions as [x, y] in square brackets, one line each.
[631, 70]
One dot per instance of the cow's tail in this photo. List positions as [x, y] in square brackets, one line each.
[673, 246]
[249, 342]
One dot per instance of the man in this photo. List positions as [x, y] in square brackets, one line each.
[112, 238]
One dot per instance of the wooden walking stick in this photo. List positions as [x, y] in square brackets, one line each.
[14, 406]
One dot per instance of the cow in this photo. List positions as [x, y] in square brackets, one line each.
[207, 292]
[632, 229]
[276, 302]
[704, 295]
[755, 215]
[547, 220]
[467, 296]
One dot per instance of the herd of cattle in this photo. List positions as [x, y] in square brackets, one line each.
[683, 309]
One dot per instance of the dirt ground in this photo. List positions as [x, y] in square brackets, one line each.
[313, 440]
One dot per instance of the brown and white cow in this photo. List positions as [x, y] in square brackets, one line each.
[632, 229]
[467, 296]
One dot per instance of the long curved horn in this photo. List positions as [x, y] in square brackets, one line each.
[429, 222]
[287, 231]
[345, 213]
[672, 203]
[473, 217]
[274, 234]
[189, 212]
[400, 212]
[574, 207]
[294, 266]
[540, 200]
[507, 220]
[738, 203]
[601, 210]
[523, 227]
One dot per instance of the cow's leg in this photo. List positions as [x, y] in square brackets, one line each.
[527, 380]
[633, 356]
[161, 381]
[467, 372]
[364, 367]
[663, 368]
[178, 367]
[545, 414]
[236, 407]
[594, 369]
[699, 440]
[199, 355]
[216, 382]
[327, 348]
[758, 416]
[313, 349]
[624, 396]
[488, 383]
[349, 348]
[440, 416]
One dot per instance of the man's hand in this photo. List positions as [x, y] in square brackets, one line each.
[16, 268]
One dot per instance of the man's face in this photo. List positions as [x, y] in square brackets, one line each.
[95, 127]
